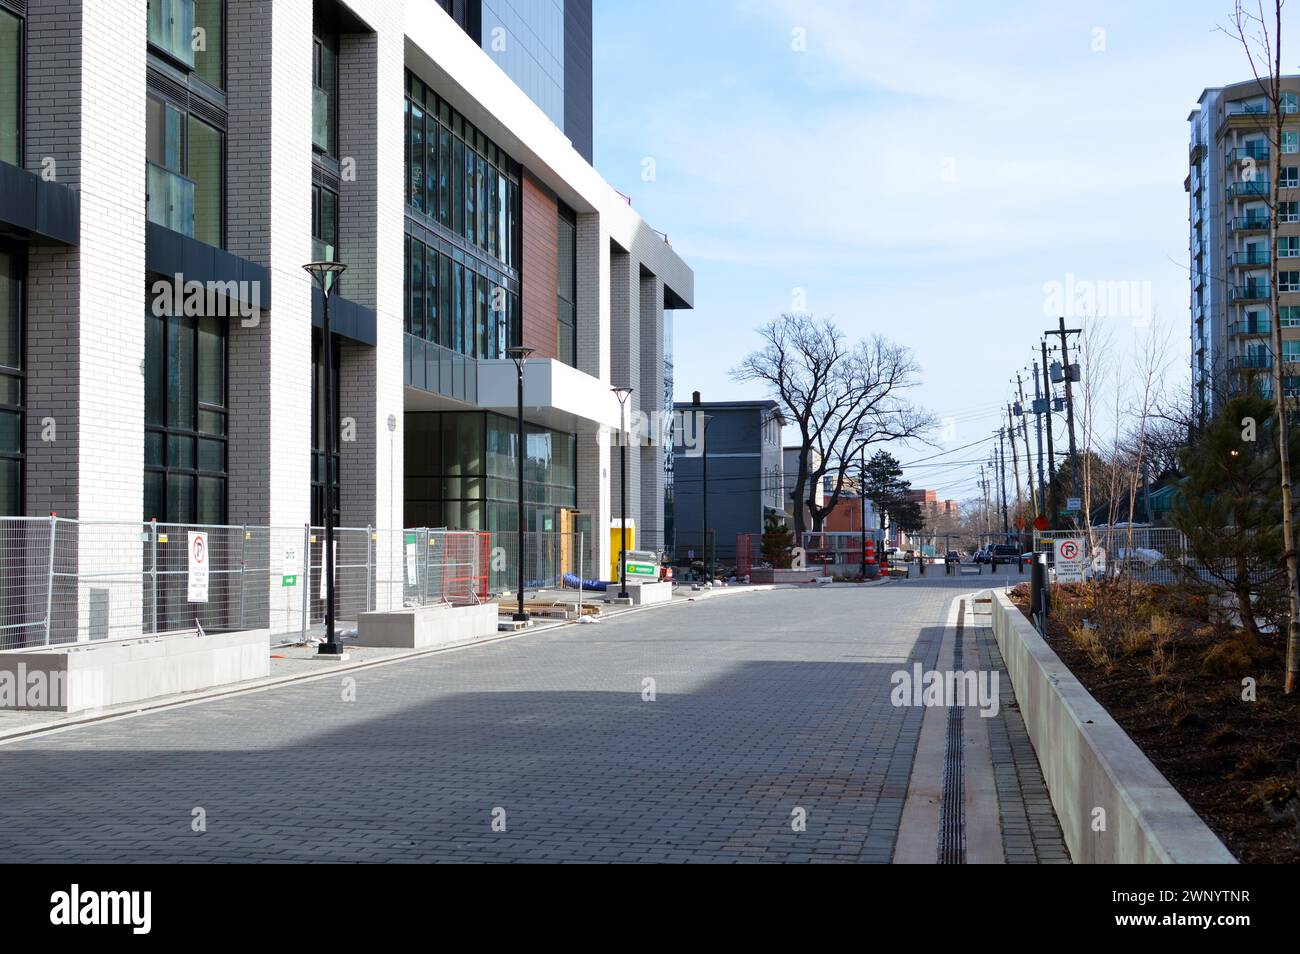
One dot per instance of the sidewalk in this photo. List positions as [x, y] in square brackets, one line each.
[977, 794]
[293, 664]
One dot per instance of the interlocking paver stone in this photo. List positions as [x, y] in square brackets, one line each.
[763, 703]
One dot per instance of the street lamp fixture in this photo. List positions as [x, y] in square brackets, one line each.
[326, 275]
[519, 356]
[622, 393]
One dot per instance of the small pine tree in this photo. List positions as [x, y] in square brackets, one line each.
[777, 542]
[1230, 509]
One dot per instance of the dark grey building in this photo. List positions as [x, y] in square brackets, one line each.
[743, 447]
[545, 47]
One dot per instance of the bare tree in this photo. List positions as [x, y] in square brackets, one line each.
[841, 397]
[1262, 44]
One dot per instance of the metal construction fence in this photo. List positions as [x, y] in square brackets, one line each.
[1151, 554]
[65, 581]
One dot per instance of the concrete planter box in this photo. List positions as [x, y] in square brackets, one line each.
[96, 675]
[1090, 763]
[645, 593]
[767, 574]
[419, 627]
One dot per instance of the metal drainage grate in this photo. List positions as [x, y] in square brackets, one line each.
[952, 810]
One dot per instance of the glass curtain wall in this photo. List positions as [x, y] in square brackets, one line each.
[462, 467]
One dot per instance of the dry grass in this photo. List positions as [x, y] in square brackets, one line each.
[1090, 640]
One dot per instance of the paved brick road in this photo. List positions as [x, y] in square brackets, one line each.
[764, 703]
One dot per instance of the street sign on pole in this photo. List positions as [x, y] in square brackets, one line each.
[1074, 504]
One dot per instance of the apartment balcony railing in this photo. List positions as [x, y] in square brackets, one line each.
[320, 119]
[1248, 328]
[169, 199]
[1254, 188]
[1247, 109]
[1257, 153]
[1254, 291]
[431, 367]
[1249, 257]
[171, 28]
[1249, 223]
[1250, 362]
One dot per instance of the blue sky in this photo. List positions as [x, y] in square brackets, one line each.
[919, 169]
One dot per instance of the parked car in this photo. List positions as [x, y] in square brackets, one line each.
[1004, 553]
[952, 556]
[909, 556]
[981, 555]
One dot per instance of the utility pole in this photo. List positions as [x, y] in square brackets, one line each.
[984, 488]
[1063, 333]
[1002, 476]
[1051, 455]
[1029, 457]
[1015, 460]
[1038, 426]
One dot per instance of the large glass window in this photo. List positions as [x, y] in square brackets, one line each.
[459, 180]
[185, 172]
[11, 383]
[325, 93]
[11, 95]
[450, 304]
[566, 304]
[185, 419]
[462, 472]
[191, 33]
[324, 224]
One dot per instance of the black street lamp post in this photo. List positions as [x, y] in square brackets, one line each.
[325, 275]
[622, 393]
[704, 453]
[519, 356]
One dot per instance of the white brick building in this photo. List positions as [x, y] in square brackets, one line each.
[232, 141]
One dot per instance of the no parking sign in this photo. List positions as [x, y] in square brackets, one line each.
[1069, 559]
[198, 575]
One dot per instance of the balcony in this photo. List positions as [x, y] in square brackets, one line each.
[1250, 362]
[431, 367]
[1258, 153]
[1252, 291]
[1257, 188]
[171, 28]
[170, 199]
[1195, 150]
[1256, 327]
[1248, 258]
[1249, 223]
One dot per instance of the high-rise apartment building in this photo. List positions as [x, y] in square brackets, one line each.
[1230, 158]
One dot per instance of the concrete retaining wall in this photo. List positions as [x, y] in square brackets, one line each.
[114, 672]
[1089, 762]
[423, 626]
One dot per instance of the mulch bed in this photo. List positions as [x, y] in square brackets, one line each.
[1237, 763]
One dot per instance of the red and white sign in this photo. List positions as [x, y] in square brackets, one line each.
[197, 545]
[1069, 559]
